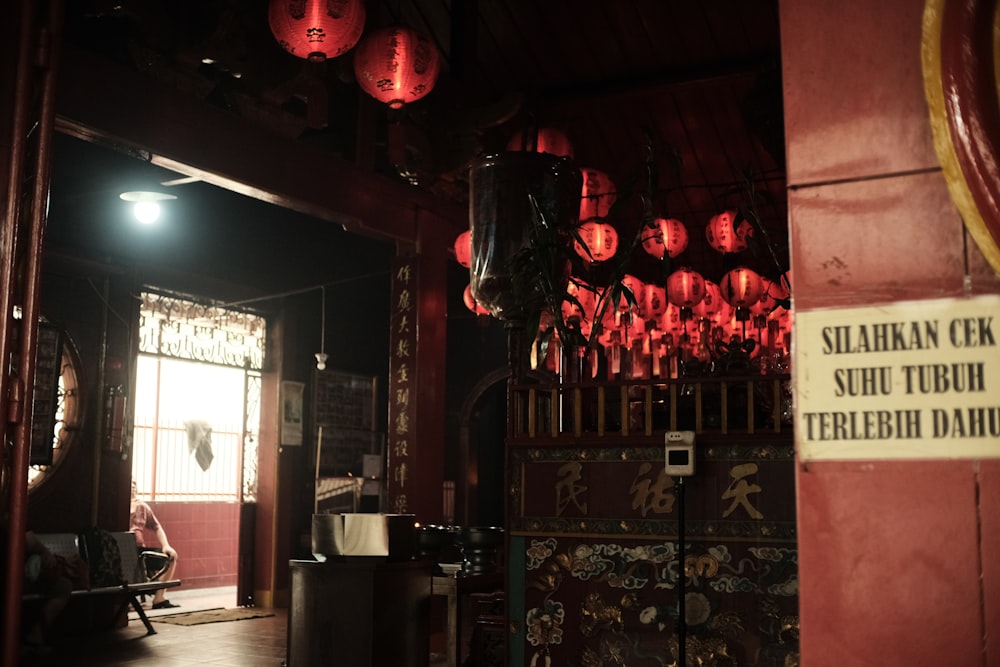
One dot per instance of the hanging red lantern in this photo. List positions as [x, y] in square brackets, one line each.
[725, 234]
[396, 65]
[463, 248]
[711, 303]
[598, 195]
[547, 140]
[471, 303]
[766, 303]
[585, 306]
[601, 239]
[685, 288]
[652, 300]
[618, 312]
[665, 236]
[741, 287]
[670, 321]
[316, 29]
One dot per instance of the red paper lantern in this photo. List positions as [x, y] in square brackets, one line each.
[767, 302]
[471, 303]
[685, 288]
[601, 239]
[652, 300]
[711, 303]
[547, 140]
[316, 29]
[396, 65]
[463, 248]
[619, 312]
[741, 287]
[598, 195]
[665, 236]
[670, 321]
[587, 298]
[725, 234]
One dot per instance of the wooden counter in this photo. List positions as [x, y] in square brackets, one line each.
[359, 612]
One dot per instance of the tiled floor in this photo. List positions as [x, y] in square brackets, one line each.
[256, 642]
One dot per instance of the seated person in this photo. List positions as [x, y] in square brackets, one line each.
[141, 518]
[52, 576]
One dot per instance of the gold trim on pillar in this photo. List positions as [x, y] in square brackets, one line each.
[959, 52]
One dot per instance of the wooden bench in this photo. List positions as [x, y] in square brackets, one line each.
[133, 570]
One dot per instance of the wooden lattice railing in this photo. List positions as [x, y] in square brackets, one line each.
[745, 404]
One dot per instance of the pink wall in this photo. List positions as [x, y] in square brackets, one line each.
[206, 537]
[899, 561]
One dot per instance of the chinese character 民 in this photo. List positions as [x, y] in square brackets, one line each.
[567, 488]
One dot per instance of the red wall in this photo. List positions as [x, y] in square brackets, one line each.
[899, 561]
[206, 538]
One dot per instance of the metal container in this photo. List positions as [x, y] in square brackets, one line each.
[390, 535]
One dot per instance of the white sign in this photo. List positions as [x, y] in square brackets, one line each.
[908, 380]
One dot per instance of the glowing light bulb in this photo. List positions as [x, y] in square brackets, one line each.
[146, 212]
[146, 208]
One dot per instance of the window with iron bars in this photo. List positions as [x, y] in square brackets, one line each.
[197, 403]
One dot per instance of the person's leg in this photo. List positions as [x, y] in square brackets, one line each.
[56, 597]
[161, 595]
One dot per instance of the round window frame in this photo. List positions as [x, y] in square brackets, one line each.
[69, 414]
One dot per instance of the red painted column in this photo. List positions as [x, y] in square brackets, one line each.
[898, 559]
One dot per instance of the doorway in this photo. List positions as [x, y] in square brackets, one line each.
[195, 426]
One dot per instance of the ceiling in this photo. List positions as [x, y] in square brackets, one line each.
[690, 91]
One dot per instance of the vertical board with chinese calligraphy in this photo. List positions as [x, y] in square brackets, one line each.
[402, 376]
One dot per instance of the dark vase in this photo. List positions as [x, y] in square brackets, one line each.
[501, 219]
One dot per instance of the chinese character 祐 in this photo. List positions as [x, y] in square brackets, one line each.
[649, 495]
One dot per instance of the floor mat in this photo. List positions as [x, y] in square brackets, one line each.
[213, 616]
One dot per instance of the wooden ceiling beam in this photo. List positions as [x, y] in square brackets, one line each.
[103, 102]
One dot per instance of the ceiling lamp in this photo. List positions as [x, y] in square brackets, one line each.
[546, 140]
[665, 236]
[463, 248]
[601, 239]
[146, 204]
[396, 65]
[597, 196]
[725, 234]
[316, 29]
